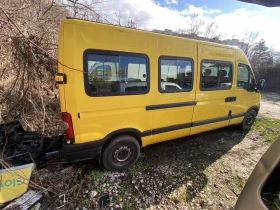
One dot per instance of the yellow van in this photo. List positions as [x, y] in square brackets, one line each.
[122, 89]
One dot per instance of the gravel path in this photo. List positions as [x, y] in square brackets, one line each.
[270, 105]
[203, 171]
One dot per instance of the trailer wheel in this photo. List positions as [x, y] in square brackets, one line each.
[248, 120]
[121, 152]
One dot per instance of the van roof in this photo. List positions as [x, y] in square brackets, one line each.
[88, 22]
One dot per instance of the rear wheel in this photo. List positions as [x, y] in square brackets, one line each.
[248, 120]
[120, 153]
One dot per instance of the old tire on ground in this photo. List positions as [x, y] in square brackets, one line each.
[248, 120]
[120, 153]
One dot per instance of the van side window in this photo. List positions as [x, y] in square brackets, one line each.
[245, 78]
[216, 75]
[112, 73]
[175, 74]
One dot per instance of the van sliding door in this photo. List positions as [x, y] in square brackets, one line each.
[174, 97]
[214, 88]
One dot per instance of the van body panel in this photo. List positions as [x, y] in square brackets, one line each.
[165, 110]
[211, 104]
[95, 117]
[172, 116]
[165, 136]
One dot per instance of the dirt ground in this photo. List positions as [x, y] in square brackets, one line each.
[270, 105]
[204, 171]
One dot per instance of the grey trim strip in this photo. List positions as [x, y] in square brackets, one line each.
[237, 115]
[146, 133]
[165, 106]
[171, 128]
[188, 125]
[203, 122]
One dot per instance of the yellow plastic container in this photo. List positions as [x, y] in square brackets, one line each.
[14, 181]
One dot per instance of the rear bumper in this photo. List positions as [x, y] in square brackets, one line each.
[83, 151]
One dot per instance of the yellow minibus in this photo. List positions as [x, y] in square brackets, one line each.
[122, 89]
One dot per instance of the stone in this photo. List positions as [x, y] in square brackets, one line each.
[93, 193]
[67, 170]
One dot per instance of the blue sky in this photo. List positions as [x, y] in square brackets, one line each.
[224, 5]
[233, 19]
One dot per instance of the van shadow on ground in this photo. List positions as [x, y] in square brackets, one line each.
[153, 180]
[189, 157]
[166, 167]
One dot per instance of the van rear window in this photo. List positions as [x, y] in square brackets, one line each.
[115, 73]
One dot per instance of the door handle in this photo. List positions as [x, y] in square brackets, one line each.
[230, 99]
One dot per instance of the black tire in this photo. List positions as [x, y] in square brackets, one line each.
[248, 120]
[120, 153]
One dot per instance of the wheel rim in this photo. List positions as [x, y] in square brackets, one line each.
[249, 120]
[122, 155]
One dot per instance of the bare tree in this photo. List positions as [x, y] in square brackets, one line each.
[85, 10]
[248, 43]
[210, 31]
[29, 40]
[29, 33]
[118, 18]
[132, 23]
[195, 26]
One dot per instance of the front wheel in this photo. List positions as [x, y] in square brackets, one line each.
[121, 152]
[248, 120]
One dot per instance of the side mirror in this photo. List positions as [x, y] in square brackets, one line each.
[261, 85]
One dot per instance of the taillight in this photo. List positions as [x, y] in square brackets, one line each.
[68, 126]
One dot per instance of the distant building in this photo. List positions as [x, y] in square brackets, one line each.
[157, 31]
[168, 31]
